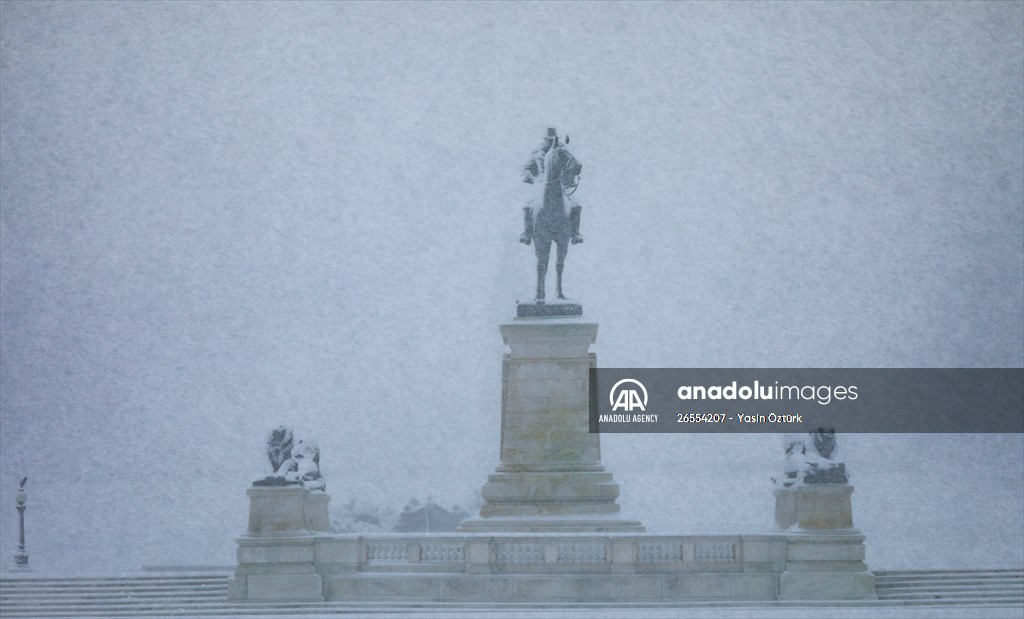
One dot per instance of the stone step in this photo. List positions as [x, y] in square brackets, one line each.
[110, 582]
[241, 611]
[953, 586]
[75, 589]
[1009, 590]
[948, 583]
[107, 593]
[968, 572]
[940, 584]
[958, 591]
[111, 593]
[949, 578]
[981, 582]
[911, 577]
[104, 597]
[114, 597]
[937, 595]
[180, 610]
[330, 610]
[206, 596]
[935, 586]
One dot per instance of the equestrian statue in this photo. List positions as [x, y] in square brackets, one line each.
[552, 215]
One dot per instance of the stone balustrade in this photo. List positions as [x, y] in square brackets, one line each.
[511, 553]
[450, 566]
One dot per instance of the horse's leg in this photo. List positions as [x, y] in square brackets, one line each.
[543, 250]
[563, 249]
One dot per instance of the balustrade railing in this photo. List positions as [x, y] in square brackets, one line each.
[656, 553]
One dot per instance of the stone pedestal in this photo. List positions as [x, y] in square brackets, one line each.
[277, 559]
[550, 478]
[825, 555]
[287, 510]
[814, 506]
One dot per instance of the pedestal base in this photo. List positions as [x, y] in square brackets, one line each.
[21, 566]
[826, 566]
[277, 568]
[825, 558]
[550, 478]
[814, 507]
[551, 502]
[277, 559]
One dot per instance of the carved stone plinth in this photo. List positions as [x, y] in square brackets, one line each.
[825, 554]
[277, 568]
[814, 506]
[276, 559]
[287, 510]
[550, 478]
[826, 565]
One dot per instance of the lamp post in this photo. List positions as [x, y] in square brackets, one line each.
[21, 559]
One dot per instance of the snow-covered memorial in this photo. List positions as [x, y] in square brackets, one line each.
[551, 528]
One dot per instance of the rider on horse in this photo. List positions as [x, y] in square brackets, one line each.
[534, 172]
[553, 216]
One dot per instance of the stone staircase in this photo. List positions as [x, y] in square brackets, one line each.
[981, 587]
[205, 595]
[109, 597]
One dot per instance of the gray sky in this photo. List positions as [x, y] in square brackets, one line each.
[217, 217]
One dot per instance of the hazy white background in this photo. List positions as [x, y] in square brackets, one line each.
[220, 217]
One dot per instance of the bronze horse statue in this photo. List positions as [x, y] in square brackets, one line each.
[553, 216]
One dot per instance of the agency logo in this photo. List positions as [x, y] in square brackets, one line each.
[627, 398]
